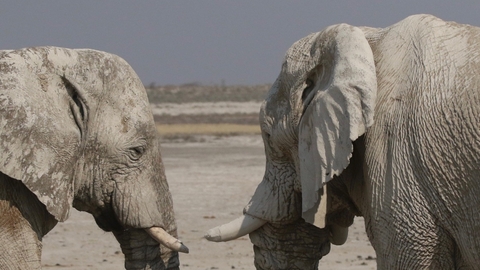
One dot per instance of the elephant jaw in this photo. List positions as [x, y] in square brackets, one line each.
[164, 238]
[239, 227]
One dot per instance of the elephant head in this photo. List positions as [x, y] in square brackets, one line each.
[76, 129]
[322, 101]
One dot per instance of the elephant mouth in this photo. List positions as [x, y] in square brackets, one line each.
[298, 245]
[294, 245]
[108, 221]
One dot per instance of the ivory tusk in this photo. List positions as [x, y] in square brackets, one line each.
[164, 238]
[237, 228]
[338, 235]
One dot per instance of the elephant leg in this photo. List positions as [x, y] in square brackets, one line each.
[23, 223]
[402, 242]
[465, 234]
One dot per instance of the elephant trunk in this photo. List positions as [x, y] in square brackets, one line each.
[298, 245]
[144, 252]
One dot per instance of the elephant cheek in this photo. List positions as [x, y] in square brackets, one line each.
[298, 245]
[275, 199]
[143, 205]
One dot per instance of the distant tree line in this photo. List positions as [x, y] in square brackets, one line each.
[195, 92]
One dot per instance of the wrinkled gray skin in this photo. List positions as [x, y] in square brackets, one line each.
[76, 129]
[390, 119]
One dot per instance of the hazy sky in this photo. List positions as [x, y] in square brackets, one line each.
[205, 41]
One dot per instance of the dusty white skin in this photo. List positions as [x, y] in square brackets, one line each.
[76, 129]
[387, 121]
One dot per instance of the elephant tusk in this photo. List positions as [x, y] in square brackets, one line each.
[164, 238]
[338, 235]
[239, 227]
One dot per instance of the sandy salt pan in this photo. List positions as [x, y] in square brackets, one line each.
[205, 108]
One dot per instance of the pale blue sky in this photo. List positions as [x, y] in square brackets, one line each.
[205, 41]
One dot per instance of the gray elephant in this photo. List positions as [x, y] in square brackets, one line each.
[77, 130]
[379, 123]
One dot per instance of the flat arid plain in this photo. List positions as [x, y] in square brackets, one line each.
[214, 159]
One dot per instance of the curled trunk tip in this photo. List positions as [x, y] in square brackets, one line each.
[239, 227]
[164, 238]
[338, 235]
[214, 235]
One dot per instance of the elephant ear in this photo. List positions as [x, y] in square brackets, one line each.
[338, 108]
[41, 121]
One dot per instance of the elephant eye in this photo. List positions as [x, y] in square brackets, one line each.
[136, 152]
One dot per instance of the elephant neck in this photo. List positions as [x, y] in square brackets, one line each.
[23, 224]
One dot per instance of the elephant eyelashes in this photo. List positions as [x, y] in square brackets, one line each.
[77, 107]
[136, 152]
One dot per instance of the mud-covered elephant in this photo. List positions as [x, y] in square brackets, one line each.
[379, 123]
[76, 130]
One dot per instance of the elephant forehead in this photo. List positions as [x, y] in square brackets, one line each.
[39, 59]
[301, 50]
[275, 102]
[108, 71]
[282, 103]
[136, 123]
[300, 58]
[126, 108]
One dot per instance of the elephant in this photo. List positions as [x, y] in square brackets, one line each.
[77, 130]
[382, 123]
